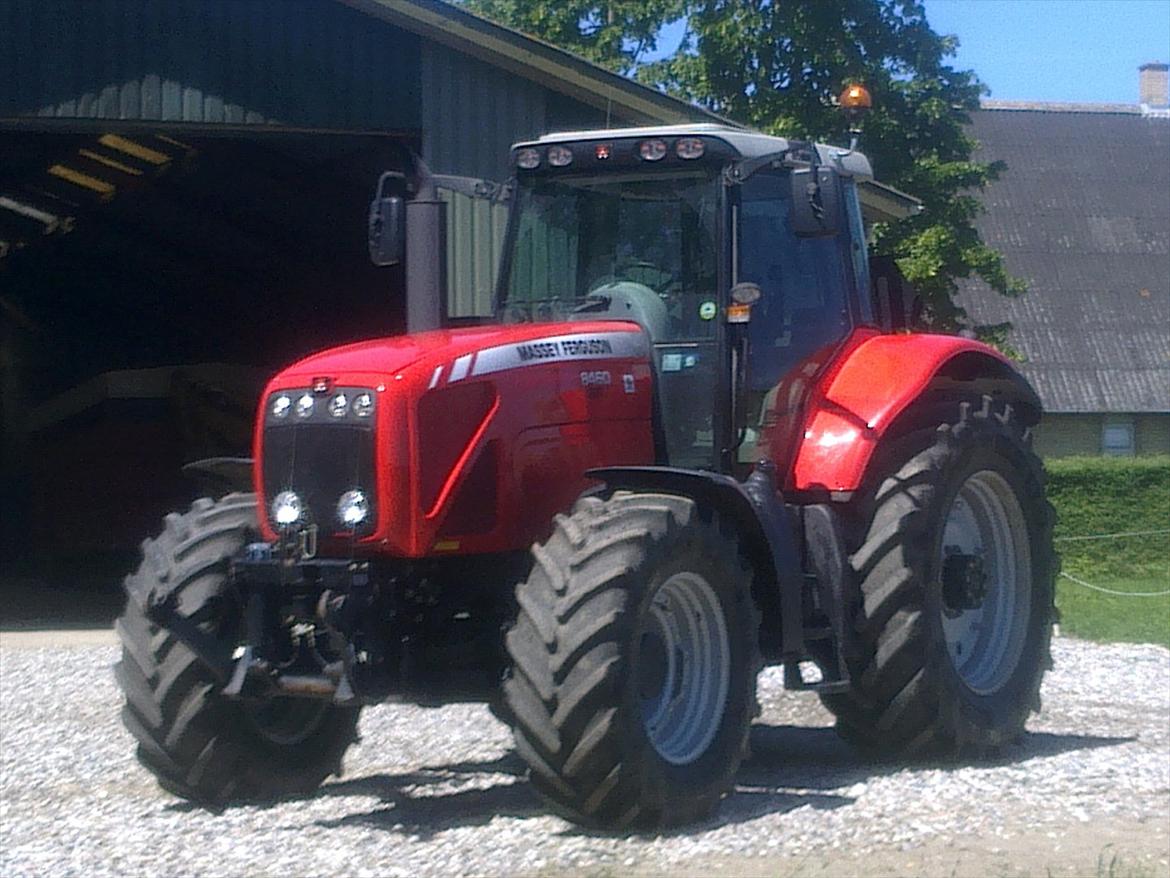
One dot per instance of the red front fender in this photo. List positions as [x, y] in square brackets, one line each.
[861, 395]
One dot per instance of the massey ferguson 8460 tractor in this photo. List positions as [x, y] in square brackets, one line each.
[695, 439]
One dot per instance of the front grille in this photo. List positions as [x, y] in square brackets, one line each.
[320, 462]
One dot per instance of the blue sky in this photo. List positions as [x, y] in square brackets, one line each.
[1056, 50]
[1086, 51]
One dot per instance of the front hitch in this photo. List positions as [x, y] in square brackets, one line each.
[243, 673]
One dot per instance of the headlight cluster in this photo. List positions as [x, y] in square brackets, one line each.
[288, 511]
[303, 405]
[655, 149]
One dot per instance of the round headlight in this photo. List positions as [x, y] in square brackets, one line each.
[339, 405]
[281, 406]
[287, 509]
[560, 156]
[353, 508]
[363, 405]
[689, 148]
[527, 159]
[652, 150]
[305, 405]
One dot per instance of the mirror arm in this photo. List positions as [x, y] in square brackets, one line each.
[473, 187]
[814, 184]
[739, 172]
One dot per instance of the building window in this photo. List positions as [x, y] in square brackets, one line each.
[1117, 438]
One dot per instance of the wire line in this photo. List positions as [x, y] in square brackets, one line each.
[1124, 594]
[1131, 533]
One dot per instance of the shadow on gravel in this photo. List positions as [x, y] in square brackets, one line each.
[791, 767]
[806, 757]
[424, 813]
[69, 600]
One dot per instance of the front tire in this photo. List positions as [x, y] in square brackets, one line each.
[200, 745]
[634, 662]
[956, 574]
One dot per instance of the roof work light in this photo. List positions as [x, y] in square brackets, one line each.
[855, 100]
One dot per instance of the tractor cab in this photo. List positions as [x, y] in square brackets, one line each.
[741, 255]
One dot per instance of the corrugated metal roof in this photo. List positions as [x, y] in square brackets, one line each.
[544, 63]
[1083, 215]
[472, 87]
[301, 64]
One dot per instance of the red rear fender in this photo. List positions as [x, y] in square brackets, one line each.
[858, 399]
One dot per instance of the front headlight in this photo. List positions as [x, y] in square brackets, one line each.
[363, 405]
[305, 405]
[353, 508]
[287, 509]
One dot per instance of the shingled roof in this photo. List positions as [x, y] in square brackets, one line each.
[1083, 215]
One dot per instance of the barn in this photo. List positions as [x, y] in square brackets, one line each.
[183, 196]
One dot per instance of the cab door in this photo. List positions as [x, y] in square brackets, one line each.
[805, 312]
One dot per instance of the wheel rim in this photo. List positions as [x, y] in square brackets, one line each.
[684, 662]
[985, 609]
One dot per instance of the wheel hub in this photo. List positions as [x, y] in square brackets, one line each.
[653, 666]
[964, 582]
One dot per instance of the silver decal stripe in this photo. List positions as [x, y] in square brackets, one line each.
[560, 348]
[459, 370]
[435, 376]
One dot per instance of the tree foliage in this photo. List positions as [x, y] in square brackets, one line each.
[778, 65]
[615, 35]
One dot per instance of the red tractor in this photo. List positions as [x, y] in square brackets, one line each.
[694, 437]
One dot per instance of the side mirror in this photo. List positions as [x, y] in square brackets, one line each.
[387, 225]
[816, 202]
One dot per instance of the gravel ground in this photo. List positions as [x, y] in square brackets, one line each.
[440, 792]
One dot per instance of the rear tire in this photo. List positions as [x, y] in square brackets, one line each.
[945, 670]
[200, 745]
[634, 662]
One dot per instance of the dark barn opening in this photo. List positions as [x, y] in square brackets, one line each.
[154, 279]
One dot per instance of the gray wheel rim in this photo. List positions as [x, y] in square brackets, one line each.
[985, 642]
[685, 655]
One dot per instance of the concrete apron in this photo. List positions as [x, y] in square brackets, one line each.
[74, 637]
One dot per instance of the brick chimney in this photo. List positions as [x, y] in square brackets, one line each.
[1154, 85]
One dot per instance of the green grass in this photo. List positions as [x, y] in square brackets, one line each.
[1104, 496]
[1112, 619]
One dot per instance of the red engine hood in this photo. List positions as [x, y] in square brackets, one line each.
[388, 356]
[482, 434]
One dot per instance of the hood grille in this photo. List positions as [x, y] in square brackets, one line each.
[320, 462]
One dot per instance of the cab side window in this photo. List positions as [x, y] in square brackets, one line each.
[804, 307]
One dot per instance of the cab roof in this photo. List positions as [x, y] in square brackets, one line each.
[749, 144]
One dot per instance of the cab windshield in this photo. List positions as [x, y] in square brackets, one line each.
[633, 247]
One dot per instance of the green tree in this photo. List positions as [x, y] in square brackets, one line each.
[615, 35]
[778, 65]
